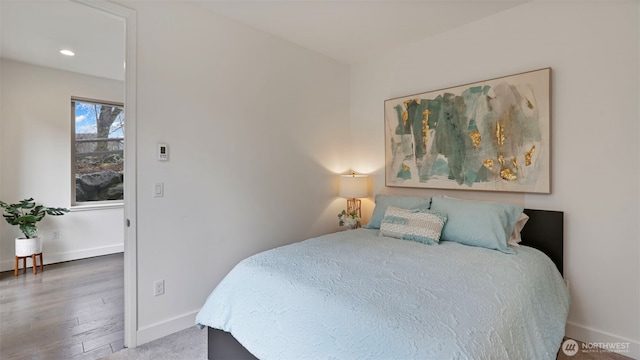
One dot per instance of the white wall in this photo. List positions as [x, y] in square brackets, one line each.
[256, 128]
[35, 157]
[592, 48]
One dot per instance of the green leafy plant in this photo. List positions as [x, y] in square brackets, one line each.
[27, 213]
[349, 219]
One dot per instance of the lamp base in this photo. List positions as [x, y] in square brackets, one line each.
[354, 205]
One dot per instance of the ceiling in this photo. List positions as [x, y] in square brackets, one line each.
[35, 31]
[349, 31]
[353, 31]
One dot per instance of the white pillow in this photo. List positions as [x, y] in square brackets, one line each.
[515, 235]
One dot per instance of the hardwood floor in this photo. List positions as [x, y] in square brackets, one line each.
[72, 310]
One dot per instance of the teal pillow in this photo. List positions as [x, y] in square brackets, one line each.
[478, 223]
[423, 226]
[403, 202]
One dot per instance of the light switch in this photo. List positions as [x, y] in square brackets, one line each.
[158, 189]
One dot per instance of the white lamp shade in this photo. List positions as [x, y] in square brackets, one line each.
[353, 186]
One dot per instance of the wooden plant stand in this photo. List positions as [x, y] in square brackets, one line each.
[24, 264]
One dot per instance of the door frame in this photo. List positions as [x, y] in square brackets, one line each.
[130, 153]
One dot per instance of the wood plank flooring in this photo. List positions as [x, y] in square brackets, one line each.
[72, 310]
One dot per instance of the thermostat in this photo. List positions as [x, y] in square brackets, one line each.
[163, 152]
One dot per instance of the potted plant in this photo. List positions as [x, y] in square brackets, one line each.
[26, 214]
[349, 219]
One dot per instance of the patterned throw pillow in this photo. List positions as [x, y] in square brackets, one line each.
[423, 226]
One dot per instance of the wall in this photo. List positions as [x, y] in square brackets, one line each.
[35, 157]
[592, 48]
[256, 129]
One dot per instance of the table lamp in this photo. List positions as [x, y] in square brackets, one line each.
[352, 187]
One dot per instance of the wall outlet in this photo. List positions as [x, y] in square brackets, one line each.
[55, 235]
[158, 287]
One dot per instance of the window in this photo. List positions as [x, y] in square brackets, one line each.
[98, 151]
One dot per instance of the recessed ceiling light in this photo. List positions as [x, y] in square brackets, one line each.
[67, 52]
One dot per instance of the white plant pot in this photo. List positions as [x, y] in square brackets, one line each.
[28, 247]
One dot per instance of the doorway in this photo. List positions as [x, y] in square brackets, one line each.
[128, 16]
[42, 54]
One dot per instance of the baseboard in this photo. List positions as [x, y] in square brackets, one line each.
[164, 328]
[593, 336]
[8, 265]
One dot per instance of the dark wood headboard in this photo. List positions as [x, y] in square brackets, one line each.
[545, 231]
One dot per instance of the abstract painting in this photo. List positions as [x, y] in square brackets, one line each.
[491, 135]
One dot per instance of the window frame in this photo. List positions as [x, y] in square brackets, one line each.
[88, 205]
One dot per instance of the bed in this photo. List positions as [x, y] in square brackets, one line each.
[356, 294]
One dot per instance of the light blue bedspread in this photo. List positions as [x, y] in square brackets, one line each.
[355, 295]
